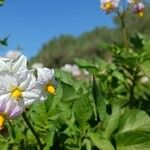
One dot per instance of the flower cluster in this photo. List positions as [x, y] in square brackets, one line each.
[19, 87]
[136, 6]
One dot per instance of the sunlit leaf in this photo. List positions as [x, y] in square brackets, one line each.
[100, 141]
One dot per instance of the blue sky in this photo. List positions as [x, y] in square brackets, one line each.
[31, 23]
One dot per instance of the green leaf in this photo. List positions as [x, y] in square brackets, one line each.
[69, 93]
[48, 102]
[65, 110]
[58, 96]
[95, 91]
[39, 116]
[133, 140]
[64, 77]
[16, 133]
[88, 144]
[100, 141]
[49, 139]
[112, 122]
[96, 95]
[135, 120]
[83, 109]
[4, 145]
[30, 137]
[4, 41]
[137, 41]
[118, 75]
[93, 66]
[99, 102]
[134, 131]
[54, 114]
[2, 2]
[70, 98]
[145, 67]
[88, 64]
[102, 108]
[85, 63]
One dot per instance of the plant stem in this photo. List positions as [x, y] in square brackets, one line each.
[33, 131]
[124, 32]
[131, 97]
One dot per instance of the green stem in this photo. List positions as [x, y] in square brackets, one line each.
[131, 96]
[33, 131]
[124, 32]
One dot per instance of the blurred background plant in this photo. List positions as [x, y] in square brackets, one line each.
[88, 44]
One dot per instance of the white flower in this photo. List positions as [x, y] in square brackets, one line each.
[46, 82]
[13, 65]
[138, 8]
[21, 88]
[109, 5]
[16, 82]
[8, 109]
[73, 69]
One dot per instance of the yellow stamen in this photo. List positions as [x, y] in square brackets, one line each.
[2, 119]
[50, 89]
[16, 94]
[141, 13]
[108, 6]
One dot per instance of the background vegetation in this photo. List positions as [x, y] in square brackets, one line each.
[66, 48]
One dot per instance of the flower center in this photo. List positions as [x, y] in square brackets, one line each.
[2, 119]
[141, 13]
[17, 94]
[108, 6]
[50, 89]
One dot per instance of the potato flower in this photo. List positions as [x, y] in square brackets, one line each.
[8, 109]
[46, 82]
[16, 81]
[73, 69]
[109, 5]
[21, 88]
[138, 8]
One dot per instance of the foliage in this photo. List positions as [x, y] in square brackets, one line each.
[4, 41]
[93, 114]
[2, 2]
[107, 110]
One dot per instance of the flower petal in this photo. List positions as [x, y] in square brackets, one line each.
[15, 112]
[44, 74]
[2, 105]
[19, 63]
[8, 81]
[3, 64]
